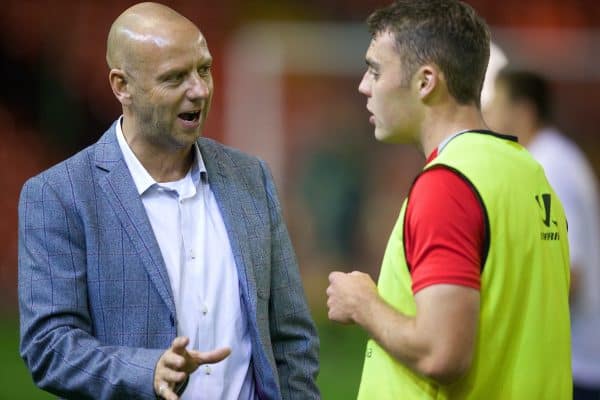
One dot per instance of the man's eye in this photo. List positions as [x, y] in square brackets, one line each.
[175, 78]
[204, 71]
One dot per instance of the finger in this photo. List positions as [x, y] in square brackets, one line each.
[165, 391]
[329, 291]
[172, 376]
[331, 315]
[357, 273]
[169, 394]
[210, 357]
[179, 343]
[334, 275]
[173, 361]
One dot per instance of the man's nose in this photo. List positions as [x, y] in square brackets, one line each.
[199, 87]
[365, 86]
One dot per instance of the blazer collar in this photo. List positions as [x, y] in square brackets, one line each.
[227, 182]
[122, 194]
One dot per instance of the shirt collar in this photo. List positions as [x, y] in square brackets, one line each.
[142, 179]
[440, 148]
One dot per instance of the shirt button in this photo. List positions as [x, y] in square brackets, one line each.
[204, 309]
[207, 370]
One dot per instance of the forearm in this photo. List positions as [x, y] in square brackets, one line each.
[438, 342]
[396, 333]
[68, 362]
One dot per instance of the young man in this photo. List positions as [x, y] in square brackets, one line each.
[472, 299]
[522, 104]
[141, 254]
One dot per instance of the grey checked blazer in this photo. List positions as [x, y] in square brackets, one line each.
[96, 308]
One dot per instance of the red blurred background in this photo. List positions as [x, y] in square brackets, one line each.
[286, 74]
[55, 100]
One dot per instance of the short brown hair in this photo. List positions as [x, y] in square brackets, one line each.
[448, 33]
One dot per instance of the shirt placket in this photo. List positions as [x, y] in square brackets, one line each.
[193, 223]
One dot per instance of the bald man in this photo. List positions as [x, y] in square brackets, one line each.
[156, 262]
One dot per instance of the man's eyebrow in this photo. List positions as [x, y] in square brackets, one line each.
[372, 63]
[207, 61]
[170, 73]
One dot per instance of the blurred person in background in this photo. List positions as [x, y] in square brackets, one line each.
[472, 299]
[156, 262]
[332, 183]
[522, 105]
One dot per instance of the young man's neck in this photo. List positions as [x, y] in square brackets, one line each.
[441, 122]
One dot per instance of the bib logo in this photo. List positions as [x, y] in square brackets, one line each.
[545, 203]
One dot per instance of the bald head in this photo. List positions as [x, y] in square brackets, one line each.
[143, 26]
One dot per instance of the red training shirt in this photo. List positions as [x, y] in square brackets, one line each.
[444, 230]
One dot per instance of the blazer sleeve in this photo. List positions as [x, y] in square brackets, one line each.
[293, 333]
[57, 342]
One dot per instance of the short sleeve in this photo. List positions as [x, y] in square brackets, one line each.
[444, 231]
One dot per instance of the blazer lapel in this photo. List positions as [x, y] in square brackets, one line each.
[224, 184]
[121, 192]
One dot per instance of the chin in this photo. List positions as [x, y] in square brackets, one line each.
[190, 135]
[381, 136]
[389, 137]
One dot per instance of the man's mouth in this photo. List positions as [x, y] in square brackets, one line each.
[191, 116]
[371, 116]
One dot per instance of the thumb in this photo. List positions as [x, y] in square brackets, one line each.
[179, 343]
[210, 357]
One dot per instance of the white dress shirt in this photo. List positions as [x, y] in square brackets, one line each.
[573, 180]
[189, 228]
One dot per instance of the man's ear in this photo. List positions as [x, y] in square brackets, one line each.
[119, 85]
[427, 80]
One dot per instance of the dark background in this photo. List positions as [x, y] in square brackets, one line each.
[286, 74]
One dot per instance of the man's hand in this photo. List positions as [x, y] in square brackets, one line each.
[350, 296]
[177, 363]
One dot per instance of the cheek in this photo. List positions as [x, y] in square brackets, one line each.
[206, 107]
[163, 98]
[391, 106]
[380, 100]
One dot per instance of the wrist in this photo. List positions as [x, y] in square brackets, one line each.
[365, 310]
